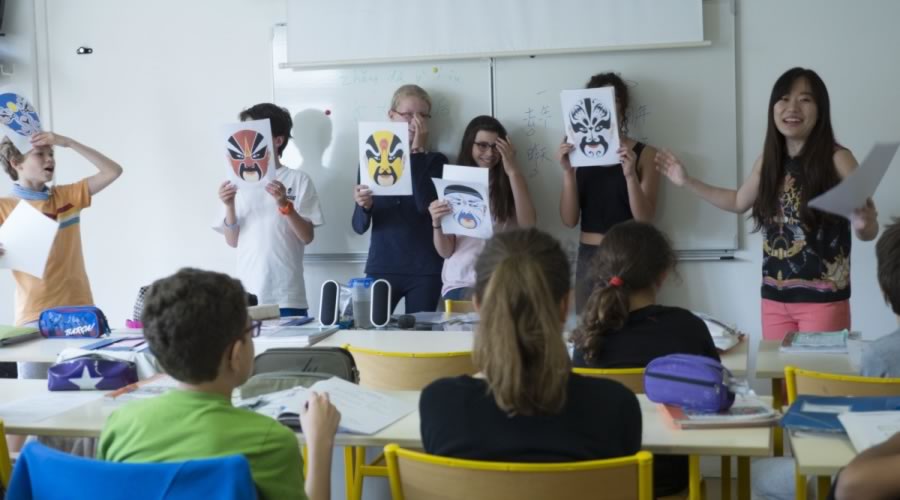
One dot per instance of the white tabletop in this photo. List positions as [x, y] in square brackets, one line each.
[41, 350]
[659, 436]
[770, 362]
[821, 454]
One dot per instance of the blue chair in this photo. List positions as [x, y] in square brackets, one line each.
[47, 474]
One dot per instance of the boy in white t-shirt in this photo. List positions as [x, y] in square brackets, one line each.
[271, 231]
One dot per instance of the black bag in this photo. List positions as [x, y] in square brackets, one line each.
[287, 367]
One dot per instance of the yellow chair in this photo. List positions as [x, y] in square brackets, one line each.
[406, 371]
[5, 462]
[813, 383]
[459, 306]
[632, 378]
[415, 475]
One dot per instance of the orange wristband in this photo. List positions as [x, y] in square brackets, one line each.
[286, 209]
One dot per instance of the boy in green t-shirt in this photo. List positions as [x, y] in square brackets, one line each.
[197, 325]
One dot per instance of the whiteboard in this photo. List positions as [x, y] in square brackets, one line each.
[325, 145]
[407, 30]
[681, 98]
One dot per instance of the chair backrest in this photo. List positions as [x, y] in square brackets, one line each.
[813, 383]
[459, 306]
[410, 371]
[226, 478]
[632, 378]
[414, 475]
[5, 463]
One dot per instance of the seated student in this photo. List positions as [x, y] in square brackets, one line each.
[773, 478]
[872, 474]
[197, 325]
[529, 406]
[485, 144]
[622, 326]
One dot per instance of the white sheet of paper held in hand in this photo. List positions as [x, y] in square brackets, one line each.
[363, 411]
[853, 191]
[27, 236]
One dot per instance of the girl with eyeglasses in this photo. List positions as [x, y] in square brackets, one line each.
[601, 197]
[485, 144]
[400, 249]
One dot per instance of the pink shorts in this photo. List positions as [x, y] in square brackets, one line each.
[779, 318]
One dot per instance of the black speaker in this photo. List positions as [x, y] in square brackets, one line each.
[330, 303]
[380, 313]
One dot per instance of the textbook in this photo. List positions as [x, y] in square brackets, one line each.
[820, 413]
[15, 334]
[819, 342]
[300, 334]
[746, 412]
[363, 411]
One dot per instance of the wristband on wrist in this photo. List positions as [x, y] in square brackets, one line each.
[286, 209]
[436, 227]
[229, 226]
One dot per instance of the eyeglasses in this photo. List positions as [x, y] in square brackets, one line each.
[484, 146]
[254, 328]
[409, 115]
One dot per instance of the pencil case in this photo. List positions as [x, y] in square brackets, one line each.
[73, 321]
[689, 381]
[93, 372]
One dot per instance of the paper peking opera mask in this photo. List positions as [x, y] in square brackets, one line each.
[468, 205]
[249, 155]
[384, 155]
[591, 123]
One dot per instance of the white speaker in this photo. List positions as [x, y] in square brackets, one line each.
[330, 303]
[380, 313]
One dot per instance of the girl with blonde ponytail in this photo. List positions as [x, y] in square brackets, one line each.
[527, 406]
[622, 326]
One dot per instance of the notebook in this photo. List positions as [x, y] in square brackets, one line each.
[746, 412]
[820, 413]
[820, 342]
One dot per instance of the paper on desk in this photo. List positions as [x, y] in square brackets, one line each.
[27, 236]
[871, 428]
[853, 191]
[43, 406]
[363, 411]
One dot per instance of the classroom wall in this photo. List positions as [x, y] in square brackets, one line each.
[726, 289]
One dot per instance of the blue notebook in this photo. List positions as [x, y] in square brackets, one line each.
[820, 413]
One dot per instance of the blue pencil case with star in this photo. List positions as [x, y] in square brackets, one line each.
[92, 372]
[73, 321]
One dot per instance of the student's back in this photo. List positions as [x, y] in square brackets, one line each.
[183, 425]
[623, 327]
[601, 419]
[650, 332]
[529, 407]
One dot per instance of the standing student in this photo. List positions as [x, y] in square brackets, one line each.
[623, 326]
[197, 325]
[271, 232]
[65, 281]
[528, 406]
[602, 197]
[485, 144]
[806, 253]
[401, 250]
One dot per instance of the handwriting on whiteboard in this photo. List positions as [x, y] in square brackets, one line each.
[536, 118]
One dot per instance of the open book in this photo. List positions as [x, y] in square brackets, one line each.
[747, 411]
[363, 411]
[868, 429]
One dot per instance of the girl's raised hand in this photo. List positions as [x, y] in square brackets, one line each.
[420, 137]
[670, 166]
[628, 159]
[438, 209]
[49, 139]
[864, 216]
[362, 195]
[563, 156]
[227, 190]
[508, 155]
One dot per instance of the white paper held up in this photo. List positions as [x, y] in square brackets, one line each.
[27, 236]
[853, 191]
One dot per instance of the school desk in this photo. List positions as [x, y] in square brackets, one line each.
[821, 456]
[41, 350]
[658, 435]
[770, 363]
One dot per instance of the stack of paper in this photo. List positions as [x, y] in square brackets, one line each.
[820, 342]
